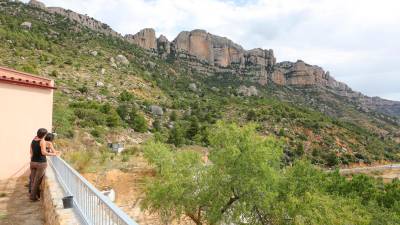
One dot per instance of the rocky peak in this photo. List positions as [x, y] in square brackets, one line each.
[79, 18]
[218, 51]
[300, 73]
[145, 38]
[37, 4]
[163, 46]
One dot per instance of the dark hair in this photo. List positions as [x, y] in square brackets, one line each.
[41, 133]
[49, 137]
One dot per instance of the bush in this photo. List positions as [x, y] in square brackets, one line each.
[98, 132]
[177, 135]
[80, 160]
[125, 96]
[138, 123]
[83, 89]
[54, 73]
[252, 115]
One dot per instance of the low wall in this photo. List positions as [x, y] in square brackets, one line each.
[54, 212]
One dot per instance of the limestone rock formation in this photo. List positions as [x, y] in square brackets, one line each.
[193, 87]
[145, 38]
[163, 46]
[26, 25]
[121, 59]
[79, 18]
[247, 91]
[156, 110]
[219, 51]
[84, 20]
[260, 57]
[37, 4]
[302, 74]
[278, 77]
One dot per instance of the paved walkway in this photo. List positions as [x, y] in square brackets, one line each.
[15, 206]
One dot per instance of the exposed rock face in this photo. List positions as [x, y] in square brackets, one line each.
[247, 91]
[84, 20]
[156, 110]
[26, 25]
[37, 4]
[79, 18]
[278, 76]
[302, 74]
[193, 87]
[145, 38]
[219, 51]
[121, 59]
[163, 46]
[260, 57]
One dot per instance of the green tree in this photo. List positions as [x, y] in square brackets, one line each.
[173, 116]
[138, 122]
[177, 135]
[125, 96]
[240, 180]
[194, 128]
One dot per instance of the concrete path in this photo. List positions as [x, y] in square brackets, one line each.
[15, 206]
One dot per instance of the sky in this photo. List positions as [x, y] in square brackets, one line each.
[358, 41]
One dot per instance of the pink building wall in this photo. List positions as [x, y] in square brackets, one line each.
[23, 109]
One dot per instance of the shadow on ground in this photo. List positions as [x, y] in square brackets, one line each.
[15, 206]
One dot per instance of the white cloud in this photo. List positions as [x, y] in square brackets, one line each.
[357, 40]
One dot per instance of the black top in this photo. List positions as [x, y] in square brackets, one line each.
[37, 152]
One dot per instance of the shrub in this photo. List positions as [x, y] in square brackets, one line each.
[125, 96]
[138, 122]
[83, 89]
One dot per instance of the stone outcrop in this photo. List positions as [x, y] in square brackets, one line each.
[26, 25]
[121, 59]
[156, 110]
[260, 57]
[83, 20]
[218, 51]
[145, 38]
[247, 91]
[37, 4]
[302, 74]
[163, 46]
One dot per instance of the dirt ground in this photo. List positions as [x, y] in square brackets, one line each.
[15, 206]
[128, 186]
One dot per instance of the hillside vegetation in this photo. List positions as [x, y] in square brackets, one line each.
[111, 90]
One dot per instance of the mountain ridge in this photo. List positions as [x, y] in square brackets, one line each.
[258, 65]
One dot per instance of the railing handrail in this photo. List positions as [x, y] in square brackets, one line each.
[117, 211]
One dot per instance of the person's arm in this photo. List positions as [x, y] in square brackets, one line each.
[51, 147]
[31, 151]
[43, 149]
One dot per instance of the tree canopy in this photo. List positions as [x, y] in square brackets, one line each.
[245, 183]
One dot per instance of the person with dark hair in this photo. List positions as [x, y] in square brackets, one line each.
[38, 163]
[49, 138]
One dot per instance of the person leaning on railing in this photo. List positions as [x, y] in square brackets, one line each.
[38, 162]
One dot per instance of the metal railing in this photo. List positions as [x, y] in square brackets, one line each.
[91, 204]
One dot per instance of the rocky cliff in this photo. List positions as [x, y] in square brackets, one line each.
[145, 38]
[79, 18]
[211, 54]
